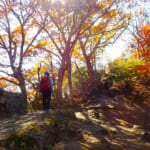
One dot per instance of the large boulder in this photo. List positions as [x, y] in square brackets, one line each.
[11, 103]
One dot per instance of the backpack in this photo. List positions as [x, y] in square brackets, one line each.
[45, 85]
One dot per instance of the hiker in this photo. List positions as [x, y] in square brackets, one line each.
[46, 88]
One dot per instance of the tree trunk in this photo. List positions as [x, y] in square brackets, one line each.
[88, 63]
[90, 70]
[22, 86]
[23, 91]
[60, 82]
[69, 77]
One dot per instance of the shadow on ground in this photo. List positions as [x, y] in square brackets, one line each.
[116, 124]
[107, 124]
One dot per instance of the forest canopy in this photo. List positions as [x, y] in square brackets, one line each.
[68, 38]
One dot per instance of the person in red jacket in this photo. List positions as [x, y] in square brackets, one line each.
[46, 88]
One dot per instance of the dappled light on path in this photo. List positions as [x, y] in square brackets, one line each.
[10, 125]
[106, 124]
[115, 124]
[80, 115]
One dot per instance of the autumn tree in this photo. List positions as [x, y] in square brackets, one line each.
[106, 32]
[139, 44]
[69, 21]
[18, 34]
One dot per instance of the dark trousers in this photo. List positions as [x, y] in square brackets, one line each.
[46, 99]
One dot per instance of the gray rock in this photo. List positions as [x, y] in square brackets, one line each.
[11, 103]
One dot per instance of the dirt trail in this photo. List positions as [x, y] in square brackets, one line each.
[116, 124]
[107, 124]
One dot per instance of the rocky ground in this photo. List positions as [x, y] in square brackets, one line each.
[106, 124]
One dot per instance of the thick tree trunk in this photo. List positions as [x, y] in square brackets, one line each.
[23, 90]
[22, 87]
[69, 77]
[24, 93]
[60, 82]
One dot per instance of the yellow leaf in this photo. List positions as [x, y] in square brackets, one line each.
[48, 121]
[21, 120]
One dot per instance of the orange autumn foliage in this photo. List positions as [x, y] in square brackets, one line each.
[143, 70]
[143, 49]
[143, 41]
